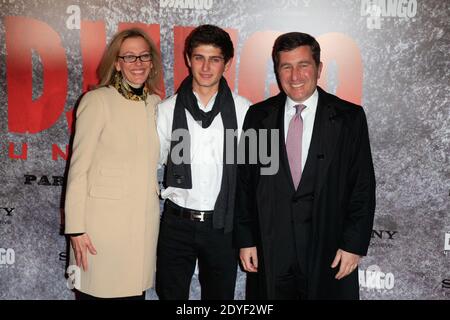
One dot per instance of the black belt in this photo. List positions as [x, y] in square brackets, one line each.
[194, 215]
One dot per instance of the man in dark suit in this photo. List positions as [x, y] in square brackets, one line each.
[302, 231]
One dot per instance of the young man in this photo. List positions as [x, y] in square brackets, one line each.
[200, 189]
[303, 230]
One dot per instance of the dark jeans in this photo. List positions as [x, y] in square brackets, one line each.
[84, 296]
[181, 242]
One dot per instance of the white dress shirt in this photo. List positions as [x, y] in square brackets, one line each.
[206, 153]
[308, 115]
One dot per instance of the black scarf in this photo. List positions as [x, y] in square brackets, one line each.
[179, 175]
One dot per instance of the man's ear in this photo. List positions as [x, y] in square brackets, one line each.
[228, 64]
[319, 70]
[188, 61]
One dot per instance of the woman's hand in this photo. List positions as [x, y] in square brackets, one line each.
[81, 244]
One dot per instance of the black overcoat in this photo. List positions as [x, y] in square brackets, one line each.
[342, 205]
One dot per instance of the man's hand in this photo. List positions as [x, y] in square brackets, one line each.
[249, 259]
[81, 244]
[348, 263]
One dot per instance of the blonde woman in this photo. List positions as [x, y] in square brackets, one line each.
[112, 206]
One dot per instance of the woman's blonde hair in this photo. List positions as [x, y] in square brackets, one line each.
[106, 70]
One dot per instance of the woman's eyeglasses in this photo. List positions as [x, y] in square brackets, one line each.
[130, 58]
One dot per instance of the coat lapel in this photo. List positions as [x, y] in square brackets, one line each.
[275, 120]
[313, 154]
[329, 132]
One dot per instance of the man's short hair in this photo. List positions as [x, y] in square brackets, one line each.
[210, 35]
[292, 40]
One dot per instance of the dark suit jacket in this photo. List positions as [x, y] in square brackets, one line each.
[341, 206]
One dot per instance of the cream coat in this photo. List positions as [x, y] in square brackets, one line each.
[112, 192]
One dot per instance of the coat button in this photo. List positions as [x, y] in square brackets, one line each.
[178, 178]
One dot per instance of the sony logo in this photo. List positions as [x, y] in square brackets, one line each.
[384, 234]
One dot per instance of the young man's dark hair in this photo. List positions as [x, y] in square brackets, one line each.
[290, 41]
[212, 35]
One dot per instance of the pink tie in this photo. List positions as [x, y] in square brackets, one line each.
[294, 144]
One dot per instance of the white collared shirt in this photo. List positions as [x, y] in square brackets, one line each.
[206, 153]
[308, 115]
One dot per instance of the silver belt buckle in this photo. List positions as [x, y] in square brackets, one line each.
[200, 215]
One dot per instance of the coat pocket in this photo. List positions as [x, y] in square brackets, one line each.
[106, 192]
